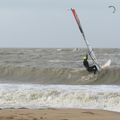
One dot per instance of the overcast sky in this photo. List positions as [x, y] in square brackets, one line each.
[49, 23]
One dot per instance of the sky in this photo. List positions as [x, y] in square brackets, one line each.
[50, 24]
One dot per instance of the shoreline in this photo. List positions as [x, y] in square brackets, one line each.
[57, 114]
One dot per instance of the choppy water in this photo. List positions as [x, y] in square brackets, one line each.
[37, 78]
[56, 66]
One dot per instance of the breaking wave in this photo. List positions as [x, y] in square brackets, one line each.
[22, 74]
[60, 96]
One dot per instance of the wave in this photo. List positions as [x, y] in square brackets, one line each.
[73, 76]
[60, 96]
[109, 76]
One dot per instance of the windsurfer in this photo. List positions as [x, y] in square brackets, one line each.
[89, 68]
[95, 67]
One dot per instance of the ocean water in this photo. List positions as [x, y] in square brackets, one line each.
[56, 78]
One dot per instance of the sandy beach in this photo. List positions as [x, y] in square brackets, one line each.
[57, 114]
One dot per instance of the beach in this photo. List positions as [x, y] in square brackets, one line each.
[57, 114]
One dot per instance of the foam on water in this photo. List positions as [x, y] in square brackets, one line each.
[60, 96]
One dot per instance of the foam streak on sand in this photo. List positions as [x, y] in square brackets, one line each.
[60, 96]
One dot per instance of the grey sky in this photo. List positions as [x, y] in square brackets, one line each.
[48, 23]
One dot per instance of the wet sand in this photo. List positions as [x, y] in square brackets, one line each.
[57, 114]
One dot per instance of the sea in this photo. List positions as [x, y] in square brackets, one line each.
[56, 78]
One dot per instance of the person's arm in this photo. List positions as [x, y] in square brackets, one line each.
[86, 56]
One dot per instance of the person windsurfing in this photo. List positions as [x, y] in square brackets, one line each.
[95, 67]
[89, 68]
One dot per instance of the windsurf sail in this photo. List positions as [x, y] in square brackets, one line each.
[90, 51]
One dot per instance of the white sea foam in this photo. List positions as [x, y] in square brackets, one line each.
[60, 96]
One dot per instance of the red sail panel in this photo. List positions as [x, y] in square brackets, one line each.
[78, 21]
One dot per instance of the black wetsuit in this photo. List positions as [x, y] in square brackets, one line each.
[89, 68]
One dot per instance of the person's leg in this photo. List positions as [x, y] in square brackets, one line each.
[93, 69]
